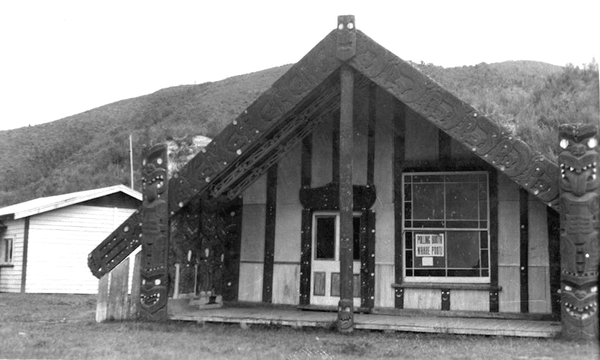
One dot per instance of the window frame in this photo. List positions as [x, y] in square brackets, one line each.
[336, 216]
[6, 250]
[445, 230]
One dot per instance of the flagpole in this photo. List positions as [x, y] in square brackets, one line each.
[131, 159]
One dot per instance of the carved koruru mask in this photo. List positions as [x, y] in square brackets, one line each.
[578, 159]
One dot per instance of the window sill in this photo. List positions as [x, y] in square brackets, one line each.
[6, 265]
[450, 286]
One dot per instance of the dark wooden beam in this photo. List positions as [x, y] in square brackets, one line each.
[444, 147]
[305, 256]
[397, 169]
[267, 295]
[524, 248]
[346, 304]
[371, 134]
[233, 244]
[335, 151]
[306, 162]
[494, 296]
[25, 254]
[306, 234]
[553, 223]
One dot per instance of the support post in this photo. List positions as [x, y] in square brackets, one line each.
[154, 272]
[579, 230]
[346, 304]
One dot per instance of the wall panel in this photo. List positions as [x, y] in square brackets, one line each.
[253, 232]
[469, 300]
[250, 288]
[384, 278]
[286, 284]
[510, 296]
[422, 299]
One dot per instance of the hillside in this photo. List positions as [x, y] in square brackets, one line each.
[90, 149]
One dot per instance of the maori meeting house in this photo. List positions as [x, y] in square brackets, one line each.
[357, 191]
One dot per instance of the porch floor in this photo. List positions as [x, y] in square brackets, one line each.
[296, 318]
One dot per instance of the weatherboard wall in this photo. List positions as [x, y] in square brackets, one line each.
[10, 274]
[59, 242]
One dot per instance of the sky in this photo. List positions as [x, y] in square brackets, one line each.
[60, 58]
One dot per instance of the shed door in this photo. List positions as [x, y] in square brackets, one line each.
[325, 270]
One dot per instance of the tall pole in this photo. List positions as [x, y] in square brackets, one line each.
[346, 49]
[579, 230]
[346, 304]
[131, 160]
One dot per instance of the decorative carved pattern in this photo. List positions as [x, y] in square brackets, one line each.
[116, 247]
[264, 114]
[461, 121]
[155, 235]
[220, 230]
[212, 236]
[580, 233]
[263, 156]
[327, 197]
[184, 246]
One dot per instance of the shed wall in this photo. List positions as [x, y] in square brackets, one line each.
[59, 243]
[10, 276]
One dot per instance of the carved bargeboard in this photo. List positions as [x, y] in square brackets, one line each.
[116, 247]
[155, 235]
[579, 233]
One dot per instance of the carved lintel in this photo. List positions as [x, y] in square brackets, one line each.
[327, 197]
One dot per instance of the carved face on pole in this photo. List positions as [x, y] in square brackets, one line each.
[155, 235]
[580, 241]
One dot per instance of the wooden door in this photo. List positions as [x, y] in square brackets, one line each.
[325, 269]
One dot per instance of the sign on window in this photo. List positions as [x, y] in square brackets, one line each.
[430, 244]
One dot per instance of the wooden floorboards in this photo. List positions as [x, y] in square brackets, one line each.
[425, 324]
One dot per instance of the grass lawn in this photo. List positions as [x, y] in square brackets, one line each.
[62, 326]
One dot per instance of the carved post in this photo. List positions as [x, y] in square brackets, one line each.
[579, 233]
[345, 50]
[154, 271]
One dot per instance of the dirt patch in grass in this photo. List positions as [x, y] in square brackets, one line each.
[63, 326]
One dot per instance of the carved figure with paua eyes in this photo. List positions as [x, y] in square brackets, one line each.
[579, 232]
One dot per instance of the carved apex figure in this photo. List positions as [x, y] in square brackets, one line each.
[155, 235]
[579, 230]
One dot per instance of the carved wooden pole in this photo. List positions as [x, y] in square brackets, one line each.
[345, 309]
[346, 49]
[579, 230]
[154, 272]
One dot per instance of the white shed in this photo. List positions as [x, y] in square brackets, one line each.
[44, 243]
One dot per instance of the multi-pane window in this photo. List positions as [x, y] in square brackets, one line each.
[446, 226]
[6, 251]
[326, 234]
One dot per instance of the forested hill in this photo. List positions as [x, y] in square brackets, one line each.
[90, 150]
